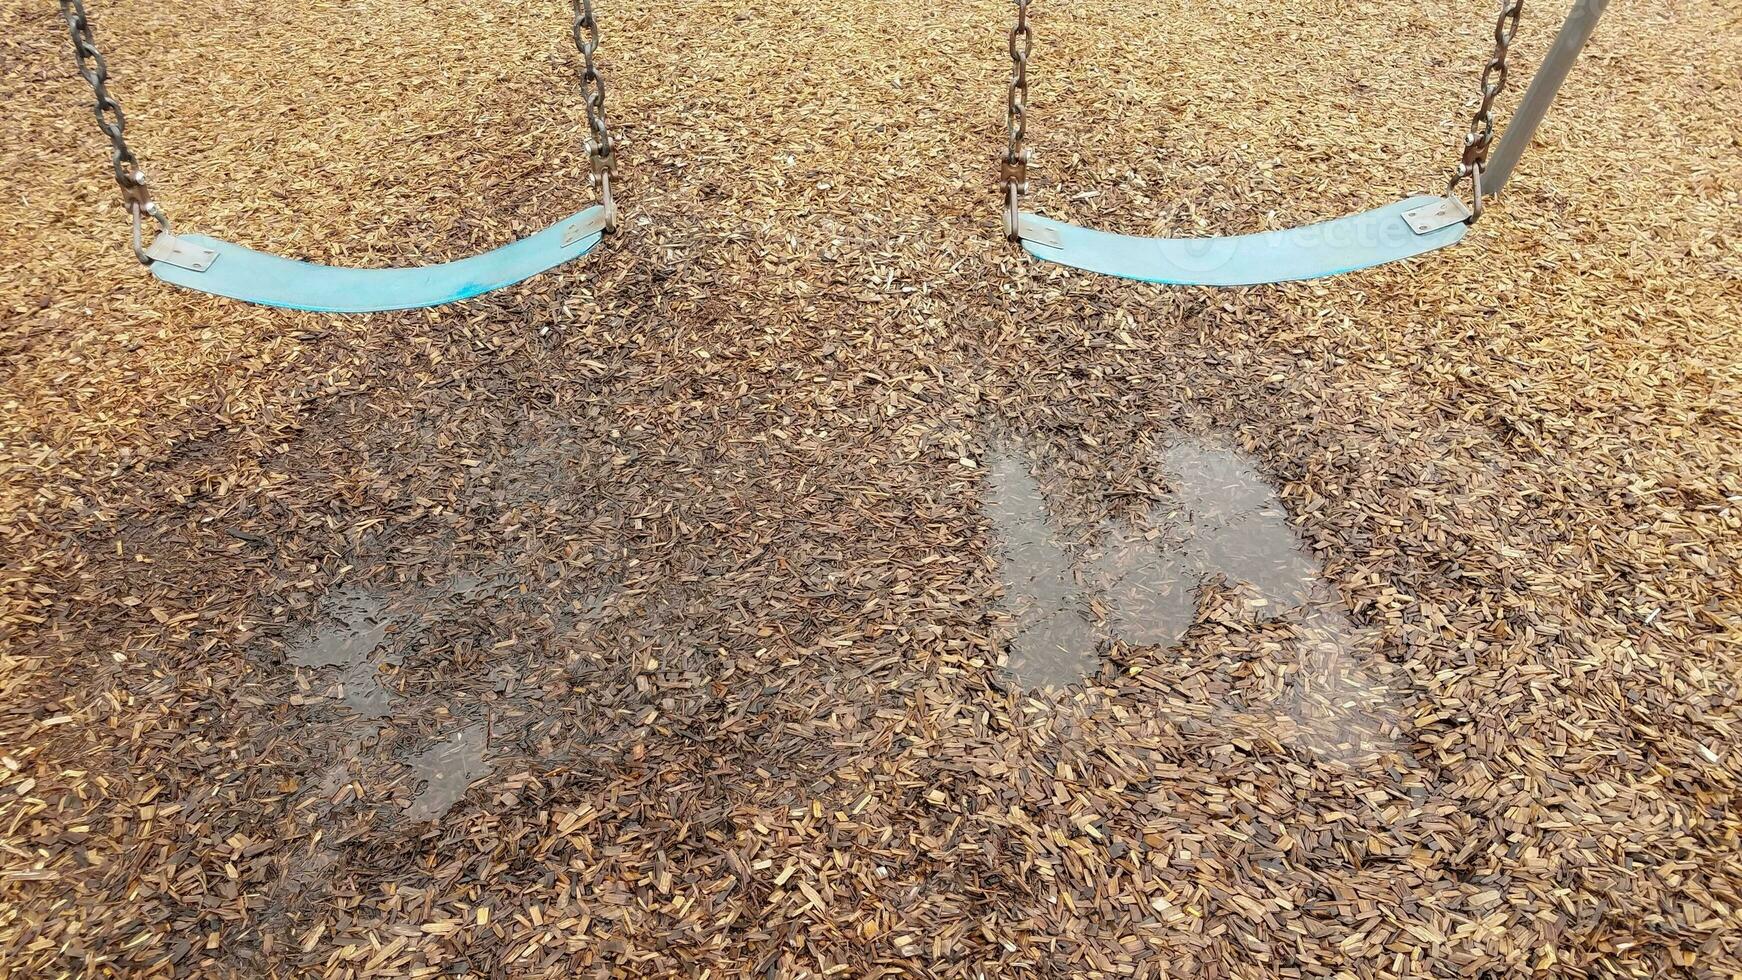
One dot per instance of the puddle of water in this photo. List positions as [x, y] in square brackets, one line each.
[359, 624]
[1149, 587]
[1221, 518]
[347, 641]
[1230, 522]
[1338, 707]
[1053, 643]
[356, 623]
[446, 770]
[1237, 526]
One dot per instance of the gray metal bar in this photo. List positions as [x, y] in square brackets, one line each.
[1555, 65]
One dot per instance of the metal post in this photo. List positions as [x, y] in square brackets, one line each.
[1555, 65]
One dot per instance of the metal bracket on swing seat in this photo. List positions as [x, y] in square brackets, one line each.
[1030, 230]
[591, 222]
[171, 250]
[1442, 213]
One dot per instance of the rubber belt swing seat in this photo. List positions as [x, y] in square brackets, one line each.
[271, 280]
[1356, 241]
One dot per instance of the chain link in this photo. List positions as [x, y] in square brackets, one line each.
[1014, 173]
[113, 122]
[601, 152]
[1481, 133]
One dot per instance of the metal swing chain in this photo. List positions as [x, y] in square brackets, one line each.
[113, 122]
[1481, 134]
[1014, 173]
[601, 152]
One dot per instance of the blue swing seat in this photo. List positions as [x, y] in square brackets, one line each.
[1309, 252]
[222, 268]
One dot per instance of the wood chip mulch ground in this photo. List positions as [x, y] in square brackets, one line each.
[807, 584]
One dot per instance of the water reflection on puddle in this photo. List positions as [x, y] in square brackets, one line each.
[1148, 585]
[446, 769]
[357, 632]
[1220, 519]
[1233, 524]
[1334, 706]
[1052, 642]
[347, 641]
